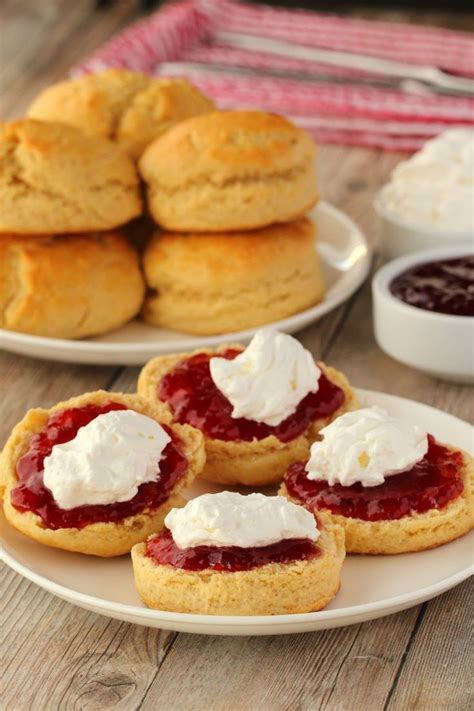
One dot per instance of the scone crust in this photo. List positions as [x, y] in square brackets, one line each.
[255, 463]
[54, 179]
[130, 108]
[93, 102]
[216, 283]
[230, 170]
[100, 539]
[273, 589]
[417, 532]
[156, 109]
[70, 286]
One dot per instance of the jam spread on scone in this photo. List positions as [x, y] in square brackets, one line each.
[431, 484]
[231, 532]
[375, 467]
[164, 551]
[195, 399]
[31, 493]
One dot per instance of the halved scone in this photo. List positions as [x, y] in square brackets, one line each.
[274, 588]
[240, 451]
[95, 529]
[384, 519]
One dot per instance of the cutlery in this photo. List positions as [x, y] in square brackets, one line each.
[409, 86]
[423, 73]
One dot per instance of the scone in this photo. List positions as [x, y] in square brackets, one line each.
[229, 171]
[274, 380]
[98, 473]
[392, 488]
[227, 554]
[68, 286]
[54, 179]
[130, 108]
[207, 284]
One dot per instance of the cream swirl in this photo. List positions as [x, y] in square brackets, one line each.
[267, 381]
[435, 186]
[231, 519]
[106, 461]
[365, 446]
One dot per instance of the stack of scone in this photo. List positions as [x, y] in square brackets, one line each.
[66, 269]
[230, 189]
[68, 185]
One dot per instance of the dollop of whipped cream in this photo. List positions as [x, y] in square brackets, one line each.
[231, 519]
[268, 380]
[365, 446]
[435, 186]
[106, 461]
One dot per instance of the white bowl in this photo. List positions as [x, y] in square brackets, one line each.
[399, 236]
[438, 344]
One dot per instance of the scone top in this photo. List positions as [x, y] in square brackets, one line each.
[227, 145]
[130, 108]
[54, 179]
[230, 171]
[97, 473]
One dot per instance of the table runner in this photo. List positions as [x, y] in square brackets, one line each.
[180, 39]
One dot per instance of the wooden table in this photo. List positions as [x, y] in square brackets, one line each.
[57, 656]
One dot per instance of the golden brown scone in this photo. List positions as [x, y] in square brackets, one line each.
[215, 283]
[70, 286]
[272, 589]
[54, 178]
[101, 539]
[228, 171]
[254, 463]
[130, 108]
[417, 532]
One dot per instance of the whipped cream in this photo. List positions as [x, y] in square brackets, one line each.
[106, 461]
[365, 446]
[231, 519]
[436, 185]
[268, 380]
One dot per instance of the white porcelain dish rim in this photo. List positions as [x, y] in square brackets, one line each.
[89, 601]
[383, 277]
[413, 225]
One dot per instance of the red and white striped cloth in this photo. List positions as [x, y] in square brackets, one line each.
[344, 113]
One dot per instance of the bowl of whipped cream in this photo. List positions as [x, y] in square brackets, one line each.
[429, 201]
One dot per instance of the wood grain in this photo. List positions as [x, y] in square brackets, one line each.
[56, 656]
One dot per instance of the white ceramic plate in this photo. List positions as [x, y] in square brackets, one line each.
[371, 586]
[346, 260]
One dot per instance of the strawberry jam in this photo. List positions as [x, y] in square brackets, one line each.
[446, 287]
[164, 551]
[31, 494]
[195, 399]
[431, 484]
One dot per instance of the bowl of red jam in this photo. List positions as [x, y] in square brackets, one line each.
[423, 309]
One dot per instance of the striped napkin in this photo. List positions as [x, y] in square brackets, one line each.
[337, 105]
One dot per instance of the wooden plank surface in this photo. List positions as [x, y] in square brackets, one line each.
[56, 656]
